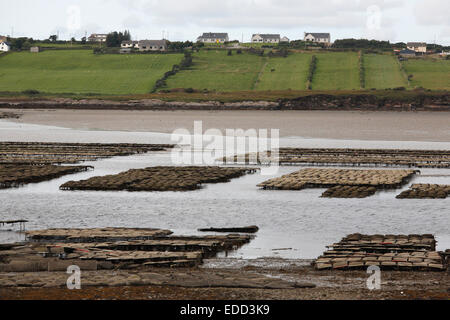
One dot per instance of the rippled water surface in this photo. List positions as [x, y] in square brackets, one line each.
[293, 224]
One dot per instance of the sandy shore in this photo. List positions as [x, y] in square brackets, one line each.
[349, 125]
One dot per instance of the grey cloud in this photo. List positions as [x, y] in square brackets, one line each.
[133, 21]
[432, 12]
[265, 13]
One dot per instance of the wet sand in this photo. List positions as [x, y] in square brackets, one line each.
[329, 285]
[348, 125]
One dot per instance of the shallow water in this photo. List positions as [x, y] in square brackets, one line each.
[300, 223]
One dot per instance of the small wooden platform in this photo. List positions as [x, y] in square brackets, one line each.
[12, 222]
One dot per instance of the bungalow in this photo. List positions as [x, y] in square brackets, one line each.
[266, 38]
[324, 38]
[213, 38]
[97, 37]
[153, 45]
[285, 39]
[4, 46]
[129, 44]
[420, 47]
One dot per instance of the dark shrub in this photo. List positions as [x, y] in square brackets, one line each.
[31, 92]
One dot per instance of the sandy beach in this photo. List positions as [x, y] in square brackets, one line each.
[349, 125]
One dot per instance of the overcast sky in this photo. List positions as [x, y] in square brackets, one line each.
[394, 20]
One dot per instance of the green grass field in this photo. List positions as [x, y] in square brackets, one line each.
[383, 71]
[215, 70]
[429, 73]
[336, 71]
[80, 71]
[285, 73]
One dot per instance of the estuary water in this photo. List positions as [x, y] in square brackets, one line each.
[293, 224]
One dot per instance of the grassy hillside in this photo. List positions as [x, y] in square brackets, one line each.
[336, 71]
[383, 71]
[429, 73]
[215, 70]
[285, 73]
[80, 71]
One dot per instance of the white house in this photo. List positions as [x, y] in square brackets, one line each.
[129, 44]
[324, 38]
[266, 38]
[153, 45]
[211, 37]
[97, 37]
[4, 46]
[420, 47]
[285, 39]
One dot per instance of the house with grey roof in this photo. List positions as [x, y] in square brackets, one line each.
[153, 45]
[324, 38]
[420, 47]
[211, 37]
[266, 38]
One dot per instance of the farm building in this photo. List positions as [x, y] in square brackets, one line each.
[213, 38]
[130, 44]
[97, 37]
[35, 49]
[153, 45]
[407, 53]
[420, 47]
[266, 38]
[4, 46]
[324, 38]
